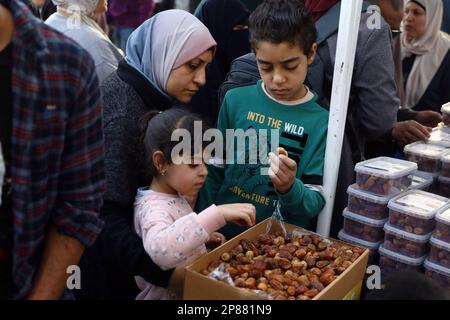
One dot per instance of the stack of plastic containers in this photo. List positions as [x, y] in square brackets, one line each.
[444, 178]
[437, 266]
[378, 180]
[411, 224]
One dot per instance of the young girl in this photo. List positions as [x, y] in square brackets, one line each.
[174, 235]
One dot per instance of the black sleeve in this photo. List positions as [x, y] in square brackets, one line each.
[406, 114]
[125, 248]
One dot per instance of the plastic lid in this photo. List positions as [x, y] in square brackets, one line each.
[401, 258]
[362, 219]
[384, 167]
[426, 150]
[445, 157]
[354, 190]
[344, 236]
[439, 243]
[421, 180]
[443, 215]
[436, 268]
[443, 179]
[388, 228]
[440, 136]
[418, 203]
[446, 108]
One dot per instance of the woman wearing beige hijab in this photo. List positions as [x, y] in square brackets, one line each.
[75, 19]
[426, 56]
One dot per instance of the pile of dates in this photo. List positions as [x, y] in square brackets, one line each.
[363, 231]
[404, 246]
[368, 209]
[411, 224]
[440, 256]
[298, 268]
[382, 186]
[424, 163]
[443, 232]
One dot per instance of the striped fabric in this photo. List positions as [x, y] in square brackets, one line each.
[57, 142]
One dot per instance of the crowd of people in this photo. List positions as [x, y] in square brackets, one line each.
[92, 91]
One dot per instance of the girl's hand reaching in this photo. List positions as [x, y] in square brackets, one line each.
[243, 214]
[215, 239]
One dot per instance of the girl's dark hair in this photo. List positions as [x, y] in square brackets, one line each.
[157, 128]
[278, 21]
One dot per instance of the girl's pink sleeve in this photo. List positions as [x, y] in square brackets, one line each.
[170, 243]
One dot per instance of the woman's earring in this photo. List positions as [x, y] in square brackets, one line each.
[163, 172]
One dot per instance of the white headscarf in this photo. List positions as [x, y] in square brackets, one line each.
[430, 50]
[165, 42]
[84, 8]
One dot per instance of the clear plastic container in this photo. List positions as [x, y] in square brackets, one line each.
[437, 273]
[384, 176]
[414, 211]
[362, 227]
[391, 261]
[427, 156]
[443, 224]
[405, 243]
[440, 252]
[445, 160]
[444, 186]
[446, 114]
[372, 246]
[422, 181]
[440, 136]
[367, 204]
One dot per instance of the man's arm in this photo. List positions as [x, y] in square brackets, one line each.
[74, 221]
[60, 252]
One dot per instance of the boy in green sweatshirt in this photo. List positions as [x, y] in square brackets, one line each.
[282, 35]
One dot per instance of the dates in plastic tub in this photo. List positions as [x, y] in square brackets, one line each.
[427, 156]
[391, 261]
[405, 243]
[437, 273]
[414, 211]
[384, 176]
[440, 252]
[367, 204]
[443, 224]
[362, 227]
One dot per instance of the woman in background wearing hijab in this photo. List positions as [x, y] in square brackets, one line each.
[165, 63]
[227, 20]
[426, 56]
[75, 19]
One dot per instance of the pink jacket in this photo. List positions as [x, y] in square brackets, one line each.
[172, 234]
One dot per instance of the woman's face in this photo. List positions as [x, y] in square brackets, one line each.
[414, 21]
[102, 6]
[184, 81]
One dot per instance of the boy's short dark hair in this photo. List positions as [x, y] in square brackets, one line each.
[279, 21]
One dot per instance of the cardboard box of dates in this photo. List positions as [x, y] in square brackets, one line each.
[268, 266]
